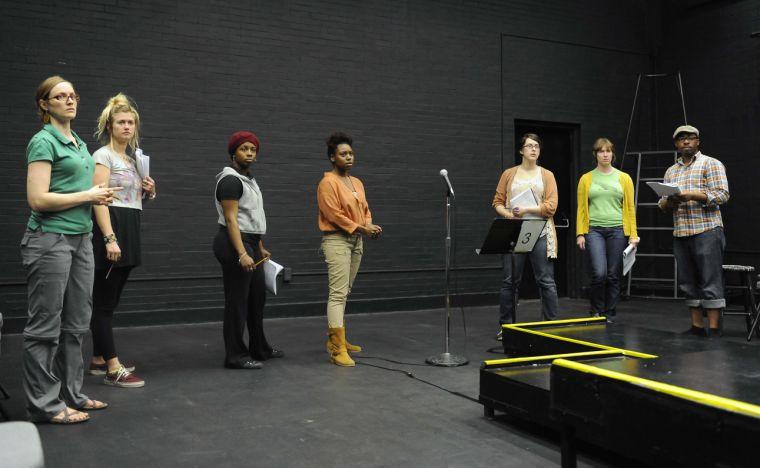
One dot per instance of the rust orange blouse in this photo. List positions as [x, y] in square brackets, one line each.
[339, 208]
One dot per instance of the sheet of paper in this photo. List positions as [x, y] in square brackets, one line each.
[142, 163]
[629, 258]
[530, 231]
[525, 199]
[664, 190]
[271, 270]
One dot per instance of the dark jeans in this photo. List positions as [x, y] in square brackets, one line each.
[244, 299]
[543, 270]
[605, 248]
[106, 293]
[700, 268]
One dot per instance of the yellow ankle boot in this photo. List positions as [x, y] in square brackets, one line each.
[351, 348]
[337, 348]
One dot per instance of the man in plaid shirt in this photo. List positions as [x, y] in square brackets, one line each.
[698, 240]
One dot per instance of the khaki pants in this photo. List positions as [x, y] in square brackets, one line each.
[343, 255]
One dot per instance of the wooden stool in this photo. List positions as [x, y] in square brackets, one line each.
[750, 311]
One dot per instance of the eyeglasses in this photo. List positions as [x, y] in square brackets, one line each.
[687, 138]
[65, 97]
[532, 146]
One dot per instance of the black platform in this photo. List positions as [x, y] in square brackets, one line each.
[698, 376]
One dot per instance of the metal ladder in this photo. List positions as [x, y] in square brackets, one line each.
[640, 156]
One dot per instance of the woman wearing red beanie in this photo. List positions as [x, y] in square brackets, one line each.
[239, 249]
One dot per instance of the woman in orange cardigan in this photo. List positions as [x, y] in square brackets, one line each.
[606, 216]
[529, 175]
[344, 217]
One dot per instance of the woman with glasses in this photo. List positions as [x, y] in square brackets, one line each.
[56, 251]
[606, 216]
[239, 248]
[344, 217]
[539, 184]
[116, 233]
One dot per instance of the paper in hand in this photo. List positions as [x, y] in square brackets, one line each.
[142, 162]
[272, 269]
[629, 258]
[664, 190]
[525, 199]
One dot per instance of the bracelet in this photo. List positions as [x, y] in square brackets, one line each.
[241, 256]
[109, 238]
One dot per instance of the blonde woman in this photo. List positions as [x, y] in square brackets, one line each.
[606, 216]
[57, 254]
[116, 233]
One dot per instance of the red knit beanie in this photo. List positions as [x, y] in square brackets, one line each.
[238, 138]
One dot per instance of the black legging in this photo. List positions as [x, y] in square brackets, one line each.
[106, 293]
[244, 299]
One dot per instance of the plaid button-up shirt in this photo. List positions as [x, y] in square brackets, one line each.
[706, 175]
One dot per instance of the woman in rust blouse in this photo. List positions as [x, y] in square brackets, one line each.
[344, 217]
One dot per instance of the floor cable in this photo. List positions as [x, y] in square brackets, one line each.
[411, 375]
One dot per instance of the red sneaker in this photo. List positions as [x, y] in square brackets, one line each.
[123, 378]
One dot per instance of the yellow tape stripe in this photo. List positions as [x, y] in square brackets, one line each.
[693, 395]
[555, 322]
[501, 362]
[588, 343]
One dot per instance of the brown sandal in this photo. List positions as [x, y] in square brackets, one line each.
[94, 405]
[66, 417]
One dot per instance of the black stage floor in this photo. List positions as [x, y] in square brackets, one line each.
[301, 411]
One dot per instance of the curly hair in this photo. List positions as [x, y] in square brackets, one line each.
[337, 138]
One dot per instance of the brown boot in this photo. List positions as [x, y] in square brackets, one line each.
[337, 348]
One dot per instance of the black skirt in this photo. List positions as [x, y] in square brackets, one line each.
[126, 225]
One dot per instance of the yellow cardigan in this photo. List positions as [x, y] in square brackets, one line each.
[629, 211]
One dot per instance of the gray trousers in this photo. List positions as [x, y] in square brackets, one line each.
[59, 275]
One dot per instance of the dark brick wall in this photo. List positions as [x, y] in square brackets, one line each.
[710, 43]
[418, 85]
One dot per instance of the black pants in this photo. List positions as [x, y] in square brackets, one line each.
[106, 293]
[244, 299]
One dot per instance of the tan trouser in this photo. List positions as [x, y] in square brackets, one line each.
[343, 254]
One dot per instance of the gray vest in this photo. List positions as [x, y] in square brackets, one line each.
[251, 218]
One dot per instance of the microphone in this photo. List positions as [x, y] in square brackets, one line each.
[445, 174]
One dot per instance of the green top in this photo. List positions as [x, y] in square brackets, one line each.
[72, 171]
[605, 199]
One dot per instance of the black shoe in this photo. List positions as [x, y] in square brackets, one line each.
[274, 353]
[697, 331]
[715, 333]
[247, 364]
[498, 335]
[610, 318]
[277, 353]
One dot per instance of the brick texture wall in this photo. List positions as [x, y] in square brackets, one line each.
[417, 83]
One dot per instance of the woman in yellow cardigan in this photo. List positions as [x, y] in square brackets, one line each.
[606, 216]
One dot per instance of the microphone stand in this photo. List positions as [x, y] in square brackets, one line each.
[446, 359]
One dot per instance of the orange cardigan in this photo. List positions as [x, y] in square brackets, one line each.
[548, 203]
[339, 209]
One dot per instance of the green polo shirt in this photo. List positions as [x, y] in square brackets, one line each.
[72, 171]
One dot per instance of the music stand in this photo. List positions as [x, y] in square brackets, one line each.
[511, 236]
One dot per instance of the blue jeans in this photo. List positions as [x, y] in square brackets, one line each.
[700, 268]
[605, 248]
[543, 270]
